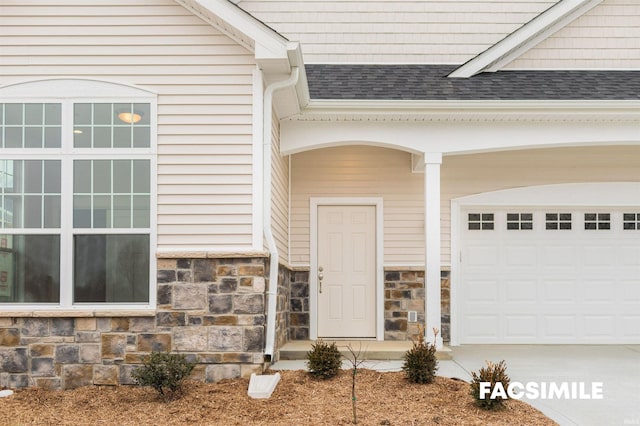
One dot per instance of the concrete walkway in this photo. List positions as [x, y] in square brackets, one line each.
[616, 366]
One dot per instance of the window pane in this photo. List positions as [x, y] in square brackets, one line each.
[141, 175]
[141, 211]
[102, 114]
[122, 137]
[12, 211]
[33, 176]
[145, 113]
[102, 137]
[29, 268]
[13, 137]
[53, 114]
[102, 211]
[122, 211]
[82, 137]
[111, 268]
[34, 114]
[7, 174]
[52, 137]
[52, 176]
[102, 176]
[82, 211]
[122, 176]
[82, 176]
[82, 114]
[141, 137]
[52, 211]
[13, 114]
[33, 211]
[33, 137]
[30, 125]
[23, 207]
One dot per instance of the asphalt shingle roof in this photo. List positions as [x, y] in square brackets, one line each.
[430, 82]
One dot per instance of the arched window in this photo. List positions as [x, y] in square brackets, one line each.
[77, 195]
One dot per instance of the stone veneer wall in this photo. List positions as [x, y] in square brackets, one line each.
[404, 292]
[212, 310]
[299, 300]
[282, 311]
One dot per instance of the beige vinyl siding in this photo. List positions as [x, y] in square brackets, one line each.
[400, 31]
[608, 36]
[361, 171]
[204, 85]
[280, 194]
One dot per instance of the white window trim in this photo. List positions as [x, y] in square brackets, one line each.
[67, 92]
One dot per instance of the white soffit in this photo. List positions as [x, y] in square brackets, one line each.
[525, 37]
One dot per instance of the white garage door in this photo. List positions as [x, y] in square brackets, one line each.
[550, 275]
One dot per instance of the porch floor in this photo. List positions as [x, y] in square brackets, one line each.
[371, 349]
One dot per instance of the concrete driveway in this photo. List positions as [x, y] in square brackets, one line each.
[616, 366]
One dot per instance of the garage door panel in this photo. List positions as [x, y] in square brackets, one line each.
[629, 291]
[482, 326]
[598, 256]
[520, 256]
[550, 284]
[599, 325]
[560, 326]
[598, 291]
[484, 256]
[556, 291]
[631, 326]
[558, 256]
[630, 255]
[482, 292]
[520, 327]
[521, 291]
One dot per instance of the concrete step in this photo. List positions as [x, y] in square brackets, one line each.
[370, 349]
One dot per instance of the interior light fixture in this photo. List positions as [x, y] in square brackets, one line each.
[130, 117]
[77, 131]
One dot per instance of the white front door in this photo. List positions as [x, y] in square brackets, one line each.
[347, 266]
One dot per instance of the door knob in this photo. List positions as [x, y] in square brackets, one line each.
[320, 277]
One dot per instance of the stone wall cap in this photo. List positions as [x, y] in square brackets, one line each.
[52, 313]
[210, 254]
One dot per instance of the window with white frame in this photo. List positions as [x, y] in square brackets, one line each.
[76, 202]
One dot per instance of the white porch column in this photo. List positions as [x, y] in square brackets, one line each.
[432, 162]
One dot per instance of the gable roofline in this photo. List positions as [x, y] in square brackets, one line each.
[242, 27]
[524, 38]
[275, 55]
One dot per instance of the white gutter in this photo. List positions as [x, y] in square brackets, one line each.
[267, 116]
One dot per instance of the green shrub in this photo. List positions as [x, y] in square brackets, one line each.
[492, 373]
[420, 362]
[164, 372]
[324, 360]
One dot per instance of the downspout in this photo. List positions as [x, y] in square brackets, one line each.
[272, 292]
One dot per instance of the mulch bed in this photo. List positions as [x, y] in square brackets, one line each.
[382, 399]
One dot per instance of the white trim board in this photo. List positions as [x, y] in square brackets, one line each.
[314, 203]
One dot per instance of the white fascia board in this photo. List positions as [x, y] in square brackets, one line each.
[525, 37]
[393, 108]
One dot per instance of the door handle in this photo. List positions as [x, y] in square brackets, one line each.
[320, 277]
